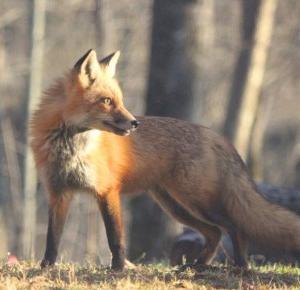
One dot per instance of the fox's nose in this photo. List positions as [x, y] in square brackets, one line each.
[135, 124]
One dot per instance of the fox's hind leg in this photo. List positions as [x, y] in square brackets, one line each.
[240, 248]
[58, 209]
[212, 233]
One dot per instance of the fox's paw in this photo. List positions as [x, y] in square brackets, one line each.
[199, 267]
[46, 263]
[129, 265]
[185, 267]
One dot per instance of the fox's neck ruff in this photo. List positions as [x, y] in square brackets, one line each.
[68, 138]
[69, 142]
[68, 145]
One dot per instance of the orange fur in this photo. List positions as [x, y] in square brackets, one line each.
[83, 139]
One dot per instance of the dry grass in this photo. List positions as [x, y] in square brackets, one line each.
[28, 275]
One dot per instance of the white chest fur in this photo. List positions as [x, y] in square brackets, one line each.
[67, 166]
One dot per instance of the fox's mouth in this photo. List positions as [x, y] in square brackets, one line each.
[117, 130]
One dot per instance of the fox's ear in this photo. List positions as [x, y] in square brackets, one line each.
[88, 68]
[109, 63]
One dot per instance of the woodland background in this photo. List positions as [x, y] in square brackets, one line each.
[232, 65]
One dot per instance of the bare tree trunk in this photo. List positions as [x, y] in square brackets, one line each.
[3, 184]
[170, 93]
[249, 15]
[172, 70]
[11, 188]
[208, 22]
[255, 75]
[105, 39]
[93, 224]
[3, 235]
[15, 188]
[99, 23]
[35, 82]
[256, 145]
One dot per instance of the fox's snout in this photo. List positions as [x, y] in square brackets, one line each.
[125, 120]
[122, 125]
[127, 124]
[135, 123]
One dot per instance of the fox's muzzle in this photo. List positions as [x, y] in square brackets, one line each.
[123, 124]
[125, 120]
[135, 123]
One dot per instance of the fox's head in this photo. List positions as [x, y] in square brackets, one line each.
[94, 98]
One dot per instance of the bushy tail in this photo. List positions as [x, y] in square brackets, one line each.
[265, 223]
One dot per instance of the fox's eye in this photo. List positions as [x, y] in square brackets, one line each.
[106, 101]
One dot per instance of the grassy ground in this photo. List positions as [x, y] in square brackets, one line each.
[28, 275]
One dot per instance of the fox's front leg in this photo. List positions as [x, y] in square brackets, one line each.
[110, 206]
[58, 209]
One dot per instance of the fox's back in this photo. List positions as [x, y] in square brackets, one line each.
[179, 153]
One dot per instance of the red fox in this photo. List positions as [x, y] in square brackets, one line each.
[84, 139]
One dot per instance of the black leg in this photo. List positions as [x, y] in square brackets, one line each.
[240, 246]
[58, 209]
[110, 207]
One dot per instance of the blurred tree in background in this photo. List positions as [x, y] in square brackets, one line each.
[184, 58]
[170, 93]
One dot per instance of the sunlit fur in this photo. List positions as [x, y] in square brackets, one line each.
[195, 174]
